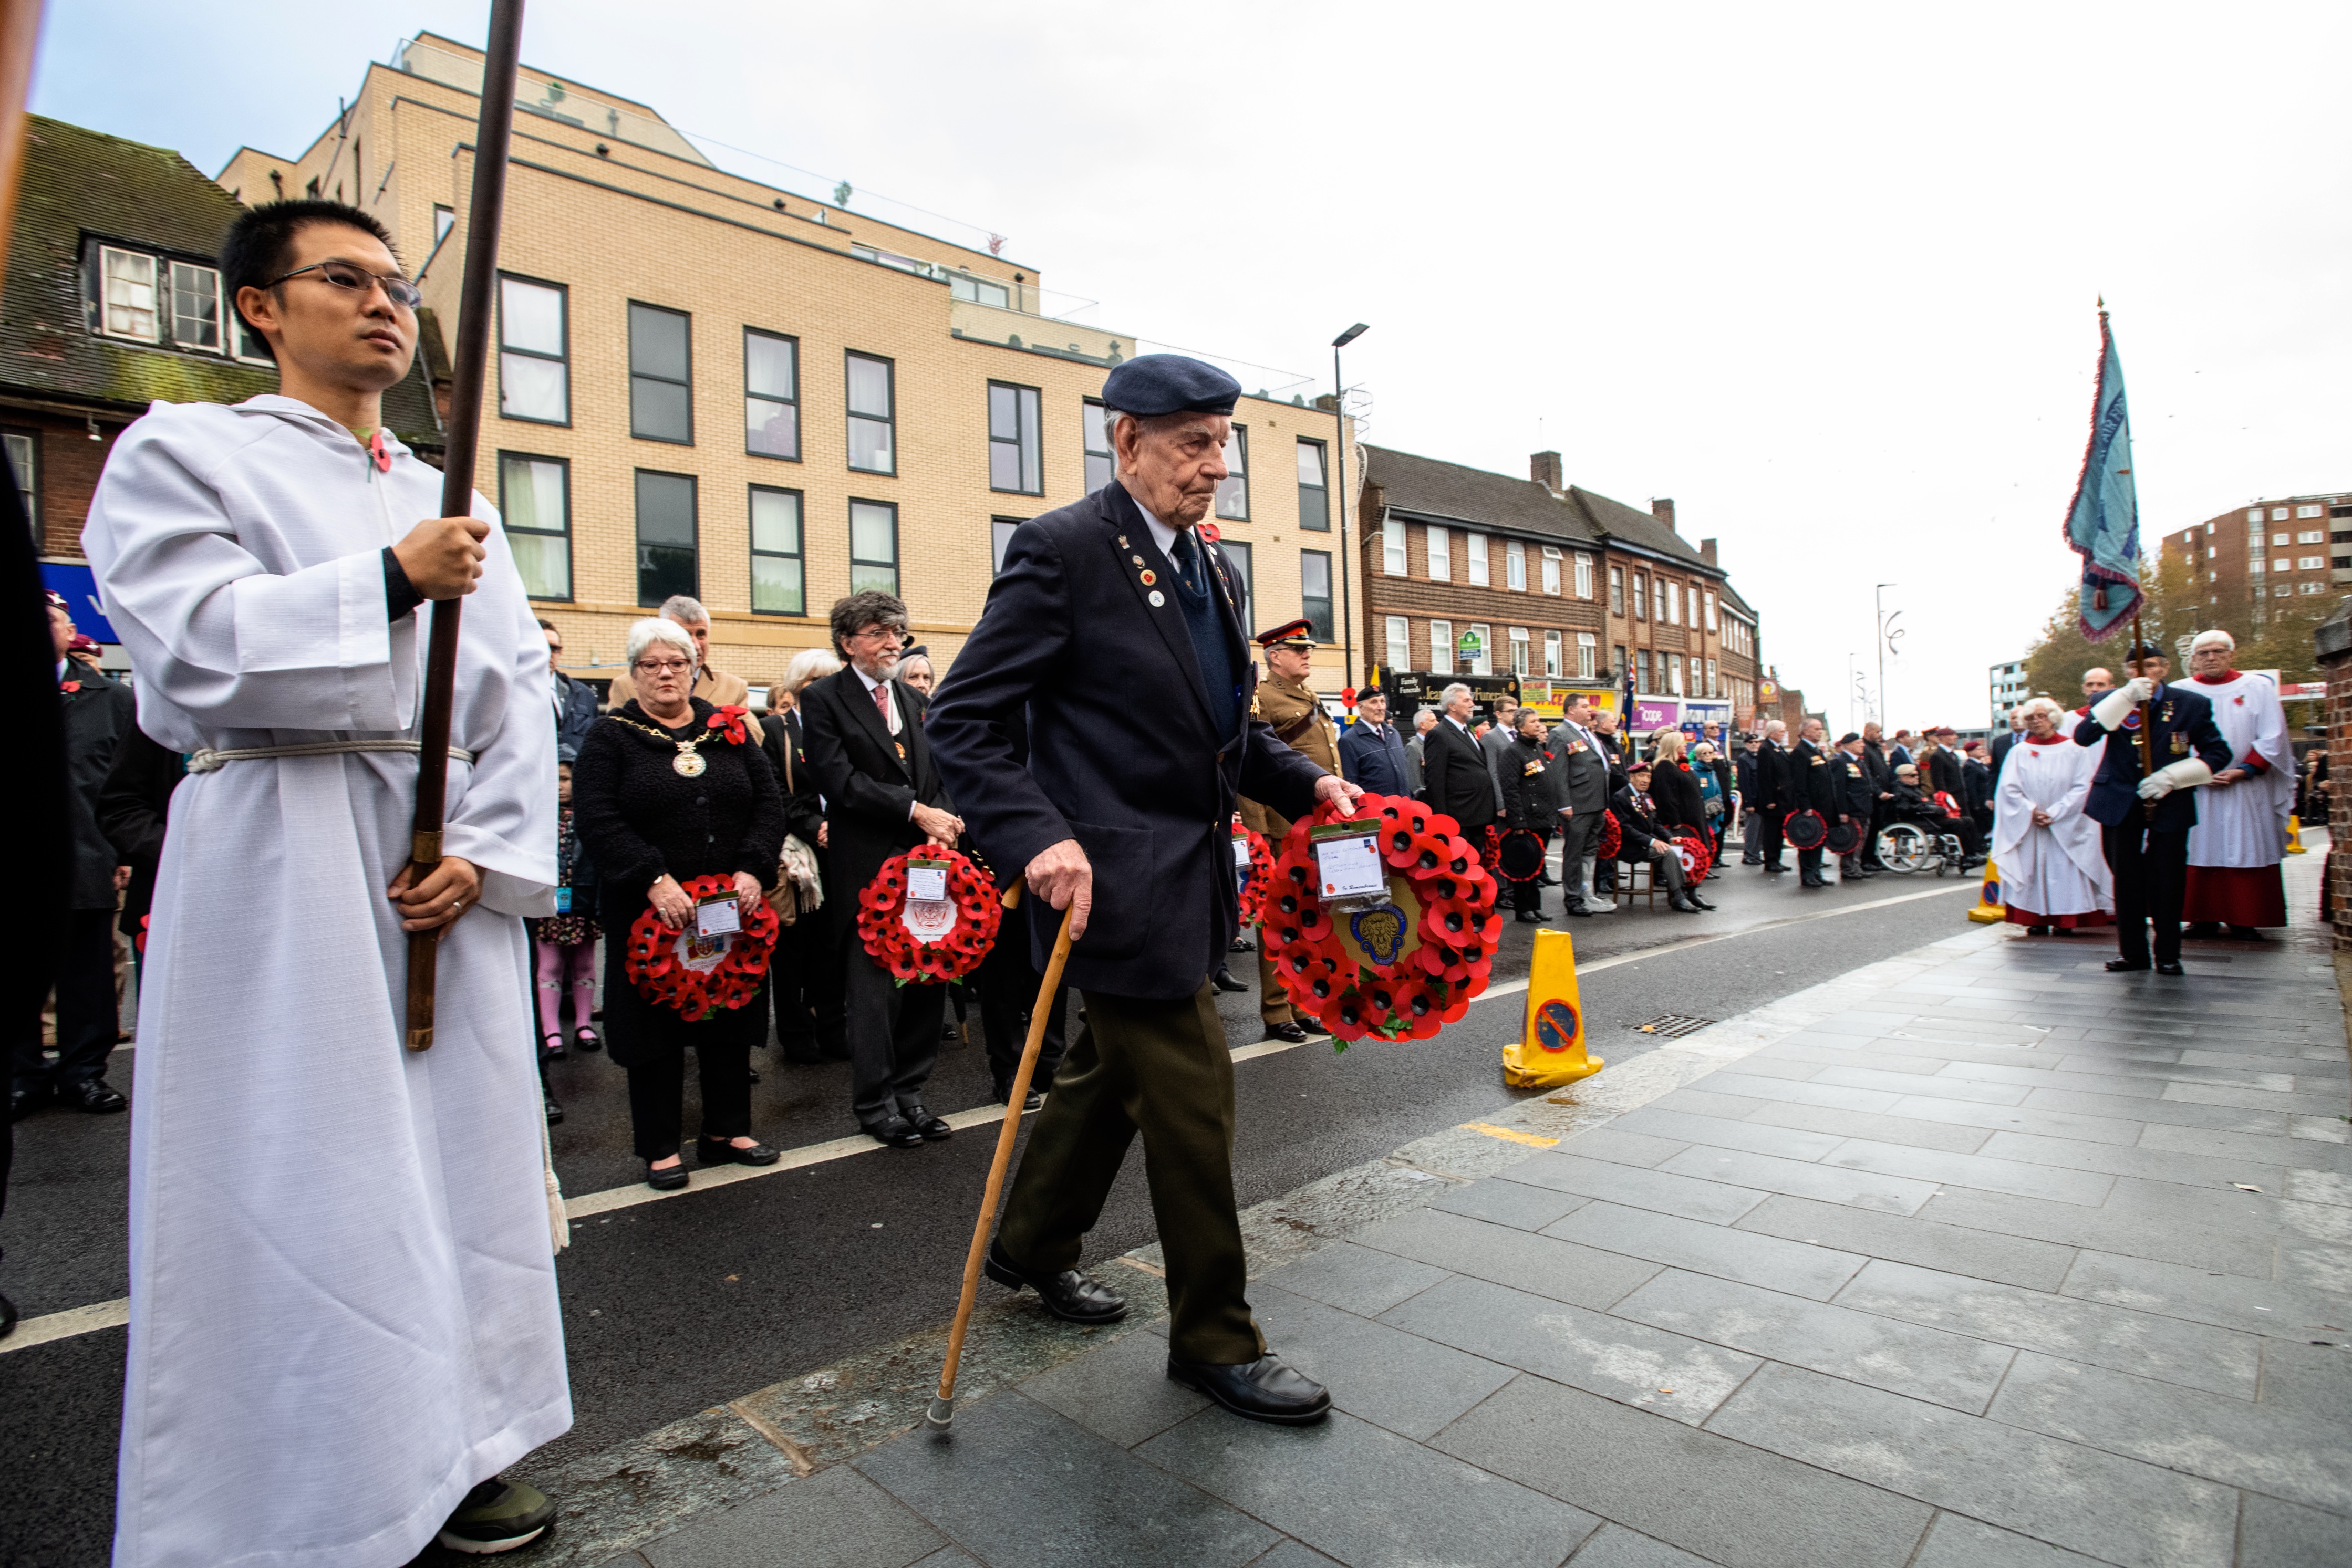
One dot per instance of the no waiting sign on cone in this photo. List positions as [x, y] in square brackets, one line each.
[1551, 1051]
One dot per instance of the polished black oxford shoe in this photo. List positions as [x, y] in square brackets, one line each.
[1073, 1297]
[1225, 981]
[1265, 1389]
[895, 1133]
[1033, 1102]
[92, 1094]
[1290, 1031]
[932, 1129]
[2170, 967]
[2124, 966]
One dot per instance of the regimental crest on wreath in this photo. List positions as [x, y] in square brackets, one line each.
[1380, 931]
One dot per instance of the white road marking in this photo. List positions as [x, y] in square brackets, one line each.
[115, 1314]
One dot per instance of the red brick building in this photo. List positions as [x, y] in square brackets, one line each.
[1467, 571]
[2251, 557]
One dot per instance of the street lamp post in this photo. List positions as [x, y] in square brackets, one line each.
[1339, 451]
[1881, 649]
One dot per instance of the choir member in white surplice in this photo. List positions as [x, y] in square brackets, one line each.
[2240, 838]
[2053, 876]
[343, 1314]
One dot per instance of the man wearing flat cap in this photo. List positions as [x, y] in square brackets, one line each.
[1122, 815]
[1291, 709]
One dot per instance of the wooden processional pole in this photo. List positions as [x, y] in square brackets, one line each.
[470, 366]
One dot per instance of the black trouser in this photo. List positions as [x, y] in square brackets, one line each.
[89, 1019]
[1809, 865]
[894, 1035]
[1160, 1067]
[1773, 843]
[1870, 838]
[658, 1083]
[1008, 995]
[2151, 878]
[804, 989]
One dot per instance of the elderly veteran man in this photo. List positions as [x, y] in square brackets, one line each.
[714, 686]
[1292, 710]
[1121, 816]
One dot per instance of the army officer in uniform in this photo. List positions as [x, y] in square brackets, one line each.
[1122, 815]
[1292, 710]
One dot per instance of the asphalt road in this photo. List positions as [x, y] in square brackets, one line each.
[673, 1306]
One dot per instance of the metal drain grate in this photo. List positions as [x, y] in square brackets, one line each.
[1673, 1026]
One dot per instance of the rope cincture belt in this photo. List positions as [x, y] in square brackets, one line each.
[207, 760]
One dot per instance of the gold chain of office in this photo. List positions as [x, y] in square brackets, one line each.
[688, 762]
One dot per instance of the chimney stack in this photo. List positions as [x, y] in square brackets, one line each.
[1664, 510]
[1543, 469]
[1706, 552]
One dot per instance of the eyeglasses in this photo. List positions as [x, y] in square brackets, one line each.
[359, 280]
[890, 634]
[662, 666]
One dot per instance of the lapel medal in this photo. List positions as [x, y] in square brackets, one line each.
[1149, 577]
[1158, 599]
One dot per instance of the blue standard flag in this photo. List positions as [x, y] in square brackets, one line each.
[2103, 524]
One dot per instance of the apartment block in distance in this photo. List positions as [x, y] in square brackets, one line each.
[2009, 688]
[712, 386]
[2253, 555]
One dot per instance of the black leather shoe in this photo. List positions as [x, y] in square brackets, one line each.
[94, 1095]
[585, 1040]
[1529, 917]
[2124, 966]
[933, 1130]
[2171, 968]
[668, 1179]
[1265, 1389]
[555, 1111]
[23, 1101]
[1033, 1101]
[1073, 1297]
[2037, 931]
[1225, 981]
[897, 1133]
[1771, 870]
[1681, 904]
[1290, 1031]
[723, 1151]
[1577, 911]
[1694, 898]
[1812, 882]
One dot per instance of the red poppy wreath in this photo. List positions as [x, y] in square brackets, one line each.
[1694, 855]
[698, 974]
[1258, 877]
[925, 941]
[1440, 963]
[1612, 838]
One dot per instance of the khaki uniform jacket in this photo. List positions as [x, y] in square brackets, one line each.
[714, 686]
[1299, 721]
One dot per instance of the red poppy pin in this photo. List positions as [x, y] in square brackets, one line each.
[69, 688]
[729, 719]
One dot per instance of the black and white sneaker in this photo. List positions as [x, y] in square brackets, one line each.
[497, 1516]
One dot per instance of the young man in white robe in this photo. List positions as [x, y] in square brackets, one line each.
[2053, 875]
[2240, 838]
[343, 1315]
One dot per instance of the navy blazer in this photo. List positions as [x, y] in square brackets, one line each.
[1374, 762]
[1123, 758]
[2115, 789]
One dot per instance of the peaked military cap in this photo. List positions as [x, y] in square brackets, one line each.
[1298, 634]
[1153, 384]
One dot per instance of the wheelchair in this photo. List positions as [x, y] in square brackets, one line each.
[1916, 846]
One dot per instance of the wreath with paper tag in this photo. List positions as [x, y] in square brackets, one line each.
[1692, 850]
[928, 932]
[1259, 875]
[695, 974]
[1401, 969]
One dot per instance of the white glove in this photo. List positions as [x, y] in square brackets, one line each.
[2186, 774]
[2116, 706]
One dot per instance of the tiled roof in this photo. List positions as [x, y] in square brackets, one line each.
[78, 182]
[1639, 529]
[1471, 495]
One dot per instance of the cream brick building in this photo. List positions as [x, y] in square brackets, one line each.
[671, 405]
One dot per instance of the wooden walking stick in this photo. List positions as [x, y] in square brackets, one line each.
[468, 367]
[942, 1411]
[2146, 719]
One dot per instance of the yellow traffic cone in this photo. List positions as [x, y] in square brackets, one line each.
[2294, 837]
[1990, 910]
[1550, 1050]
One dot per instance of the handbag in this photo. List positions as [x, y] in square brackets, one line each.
[800, 887]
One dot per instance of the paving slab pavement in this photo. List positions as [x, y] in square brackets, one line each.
[1977, 1259]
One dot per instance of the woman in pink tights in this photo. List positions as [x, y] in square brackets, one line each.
[565, 941]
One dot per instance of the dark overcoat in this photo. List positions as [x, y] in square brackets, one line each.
[2115, 789]
[97, 713]
[1453, 775]
[1124, 756]
[870, 789]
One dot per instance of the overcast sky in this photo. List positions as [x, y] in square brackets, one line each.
[1825, 275]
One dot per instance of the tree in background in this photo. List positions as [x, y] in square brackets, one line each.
[2173, 613]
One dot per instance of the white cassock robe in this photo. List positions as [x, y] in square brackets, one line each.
[343, 1311]
[2241, 831]
[2050, 873]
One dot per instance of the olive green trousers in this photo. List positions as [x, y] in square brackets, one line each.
[1160, 1067]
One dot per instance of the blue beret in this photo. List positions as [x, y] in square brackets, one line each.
[1170, 383]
